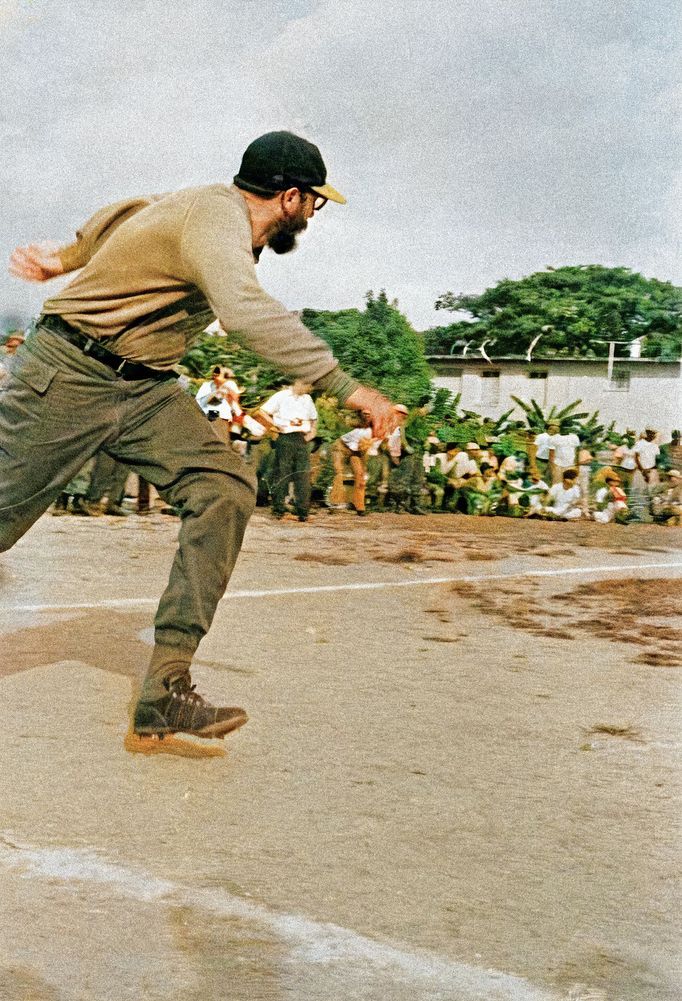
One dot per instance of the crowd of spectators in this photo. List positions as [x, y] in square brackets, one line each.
[554, 473]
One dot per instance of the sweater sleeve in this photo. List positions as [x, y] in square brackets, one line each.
[93, 233]
[218, 258]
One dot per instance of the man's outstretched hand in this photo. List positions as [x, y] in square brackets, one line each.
[380, 410]
[38, 262]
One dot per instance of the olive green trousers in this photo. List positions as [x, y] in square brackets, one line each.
[58, 407]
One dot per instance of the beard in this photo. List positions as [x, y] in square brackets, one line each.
[284, 239]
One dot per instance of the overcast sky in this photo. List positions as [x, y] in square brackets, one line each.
[474, 139]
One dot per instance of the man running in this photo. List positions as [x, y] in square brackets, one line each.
[97, 373]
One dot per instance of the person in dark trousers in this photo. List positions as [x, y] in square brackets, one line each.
[294, 417]
[98, 371]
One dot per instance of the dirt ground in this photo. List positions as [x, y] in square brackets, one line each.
[460, 779]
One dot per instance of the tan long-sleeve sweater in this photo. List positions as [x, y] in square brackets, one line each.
[191, 249]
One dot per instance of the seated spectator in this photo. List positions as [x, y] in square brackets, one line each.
[511, 467]
[511, 476]
[610, 500]
[488, 477]
[462, 463]
[563, 499]
[482, 491]
[667, 501]
[462, 471]
[536, 492]
[487, 456]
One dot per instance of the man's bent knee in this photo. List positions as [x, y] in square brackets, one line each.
[218, 492]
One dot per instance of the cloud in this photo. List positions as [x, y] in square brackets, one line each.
[474, 139]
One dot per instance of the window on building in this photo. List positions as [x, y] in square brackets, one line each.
[539, 389]
[620, 380]
[490, 393]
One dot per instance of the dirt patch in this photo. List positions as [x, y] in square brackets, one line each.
[619, 611]
[328, 559]
[658, 658]
[624, 730]
[410, 555]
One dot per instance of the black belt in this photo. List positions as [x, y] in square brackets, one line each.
[121, 366]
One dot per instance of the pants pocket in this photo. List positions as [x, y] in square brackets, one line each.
[31, 370]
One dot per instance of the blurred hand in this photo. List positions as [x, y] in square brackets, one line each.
[38, 262]
[380, 411]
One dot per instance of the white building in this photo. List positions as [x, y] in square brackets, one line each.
[638, 392]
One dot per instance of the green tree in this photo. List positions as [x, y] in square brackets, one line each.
[377, 346]
[573, 311]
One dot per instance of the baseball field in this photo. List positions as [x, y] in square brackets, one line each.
[460, 778]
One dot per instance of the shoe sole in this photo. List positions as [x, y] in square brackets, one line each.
[136, 743]
[214, 731]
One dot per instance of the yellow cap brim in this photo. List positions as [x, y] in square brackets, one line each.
[332, 194]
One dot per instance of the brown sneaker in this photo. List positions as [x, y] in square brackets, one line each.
[185, 711]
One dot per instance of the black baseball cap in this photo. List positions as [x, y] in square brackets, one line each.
[280, 160]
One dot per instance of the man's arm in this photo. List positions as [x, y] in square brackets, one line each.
[217, 255]
[39, 262]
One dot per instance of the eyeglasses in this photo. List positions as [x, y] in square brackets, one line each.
[319, 201]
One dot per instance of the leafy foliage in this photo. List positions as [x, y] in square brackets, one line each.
[377, 346]
[566, 417]
[574, 310]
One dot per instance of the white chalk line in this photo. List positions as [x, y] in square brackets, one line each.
[362, 586]
[310, 942]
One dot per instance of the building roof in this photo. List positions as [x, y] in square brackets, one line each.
[474, 359]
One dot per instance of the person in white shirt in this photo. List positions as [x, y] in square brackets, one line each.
[294, 416]
[562, 452]
[610, 501]
[564, 498]
[353, 448]
[212, 397]
[646, 453]
[537, 501]
[464, 463]
[511, 474]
